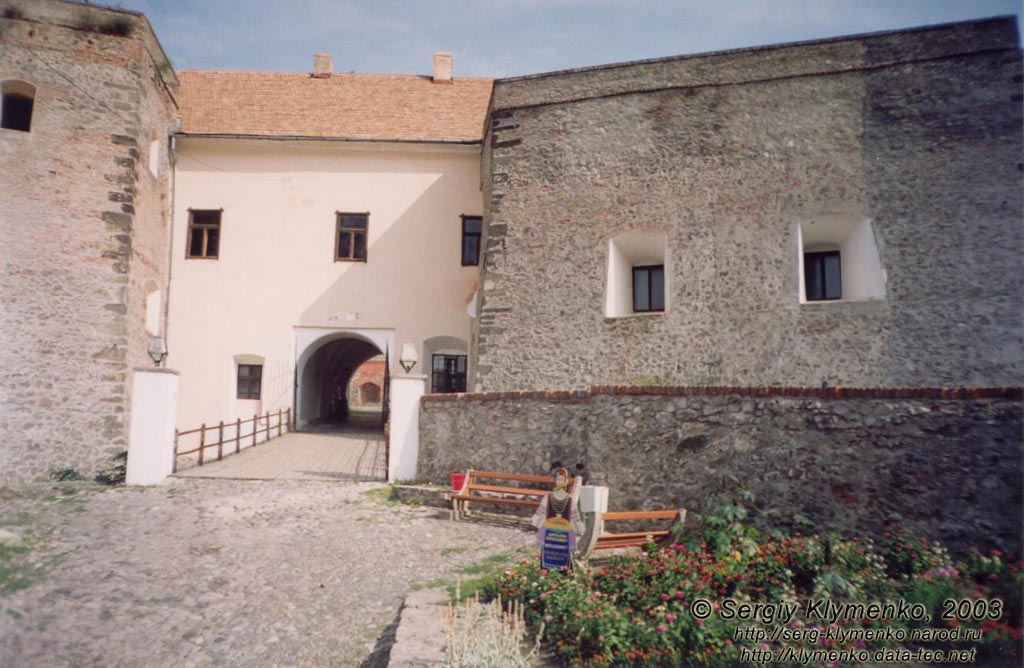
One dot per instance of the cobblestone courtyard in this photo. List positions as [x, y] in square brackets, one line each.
[219, 572]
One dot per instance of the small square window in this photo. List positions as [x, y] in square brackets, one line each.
[350, 240]
[649, 288]
[203, 234]
[449, 374]
[823, 276]
[471, 240]
[250, 381]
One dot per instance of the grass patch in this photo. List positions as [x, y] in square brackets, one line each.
[453, 550]
[481, 572]
[15, 573]
[382, 495]
[430, 584]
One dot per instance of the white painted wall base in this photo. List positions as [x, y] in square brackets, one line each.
[151, 434]
[404, 444]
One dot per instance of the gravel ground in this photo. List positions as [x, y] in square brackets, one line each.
[220, 572]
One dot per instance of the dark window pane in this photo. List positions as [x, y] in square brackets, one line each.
[212, 241]
[344, 245]
[471, 225]
[195, 247]
[822, 276]
[354, 222]
[657, 289]
[833, 277]
[17, 112]
[438, 362]
[360, 245]
[249, 380]
[812, 278]
[641, 292]
[470, 250]
[206, 217]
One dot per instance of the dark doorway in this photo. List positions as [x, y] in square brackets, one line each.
[326, 401]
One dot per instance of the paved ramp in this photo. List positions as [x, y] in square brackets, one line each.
[353, 455]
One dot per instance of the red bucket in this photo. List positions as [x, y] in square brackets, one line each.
[458, 480]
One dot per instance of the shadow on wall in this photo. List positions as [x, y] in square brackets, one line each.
[412, 274]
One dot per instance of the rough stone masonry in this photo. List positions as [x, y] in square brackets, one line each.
[728, 154]
[84, 230]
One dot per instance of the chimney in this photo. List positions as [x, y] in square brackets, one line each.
[323, 64]
[442, 67]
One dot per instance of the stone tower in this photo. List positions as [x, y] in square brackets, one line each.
[88, 112]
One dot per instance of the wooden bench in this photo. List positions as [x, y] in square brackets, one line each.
[498, 490]
[607, 540]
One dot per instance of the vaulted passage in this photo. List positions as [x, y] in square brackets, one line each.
[324, 398]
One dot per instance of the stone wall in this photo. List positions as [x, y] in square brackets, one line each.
[728, 155]
[947, 462]
[84, 229]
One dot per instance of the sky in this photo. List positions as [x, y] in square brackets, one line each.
[501, 38]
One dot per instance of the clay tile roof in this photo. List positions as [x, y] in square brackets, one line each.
[352, 106]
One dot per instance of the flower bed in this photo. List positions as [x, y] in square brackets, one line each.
[638, 611]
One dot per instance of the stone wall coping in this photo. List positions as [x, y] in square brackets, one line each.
[760, 64]
[767, 391]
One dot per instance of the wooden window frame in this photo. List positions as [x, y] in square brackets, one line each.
[339, 230]
[204, 227]
[248, 383]
[469, 235]
[818, 258]
[650, 292]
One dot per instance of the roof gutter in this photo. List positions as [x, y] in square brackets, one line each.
[457, 142]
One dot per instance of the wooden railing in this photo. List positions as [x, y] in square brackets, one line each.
[283, 425]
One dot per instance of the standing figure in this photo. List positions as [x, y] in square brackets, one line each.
[558, 522]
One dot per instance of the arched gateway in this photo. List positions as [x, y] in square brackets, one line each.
[326, 360]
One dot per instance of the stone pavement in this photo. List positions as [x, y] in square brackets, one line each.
[209, 572]
[352, 455]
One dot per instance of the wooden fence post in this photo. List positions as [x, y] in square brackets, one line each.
[288, 412]
[202, 442]
[255, 425]
[174, 464]
[267, 418]
[220, 441]
[280, 421]
[238, 435]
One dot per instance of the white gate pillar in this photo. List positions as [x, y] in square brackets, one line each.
[151, 434]
[404, 437]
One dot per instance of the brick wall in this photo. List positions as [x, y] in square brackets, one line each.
[84, 228]
[943, 461]
[728, 155]
[370, 371]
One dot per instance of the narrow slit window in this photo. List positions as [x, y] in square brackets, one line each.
[250, 381]
[649, 288]
[350, 242]
[471, 240]
[823, 276]
[203, 234]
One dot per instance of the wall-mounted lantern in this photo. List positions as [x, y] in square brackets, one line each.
[157, 349]
[408, 359]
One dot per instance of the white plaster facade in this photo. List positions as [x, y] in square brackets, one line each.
[276, 291]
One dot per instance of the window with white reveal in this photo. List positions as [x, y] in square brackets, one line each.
[839, 260]
[638, 281]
